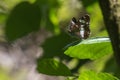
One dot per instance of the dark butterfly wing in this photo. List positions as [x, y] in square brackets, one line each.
[80, 28]
[84, 26]
[85, 20]
[74, 20]
[73, 27]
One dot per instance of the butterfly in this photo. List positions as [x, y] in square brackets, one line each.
[80, 27]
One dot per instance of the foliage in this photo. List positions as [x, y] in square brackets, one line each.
[91, 75]
[20, 24]
[29, 16]
[48, 14]
[58, 42]
[84, 49]
[53, 67]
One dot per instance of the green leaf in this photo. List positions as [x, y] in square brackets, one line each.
[93, 48]
[91, 75]
[71, 44]
[52, 67]
[58, 42]
[24, 18]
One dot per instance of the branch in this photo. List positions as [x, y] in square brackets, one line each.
[110, 14]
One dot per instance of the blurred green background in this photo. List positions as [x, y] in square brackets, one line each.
[55, 16]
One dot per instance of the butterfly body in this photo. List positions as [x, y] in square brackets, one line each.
[80, 28]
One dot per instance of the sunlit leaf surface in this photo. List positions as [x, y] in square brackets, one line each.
[91, 75]
[52, 67]
[93, 48]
